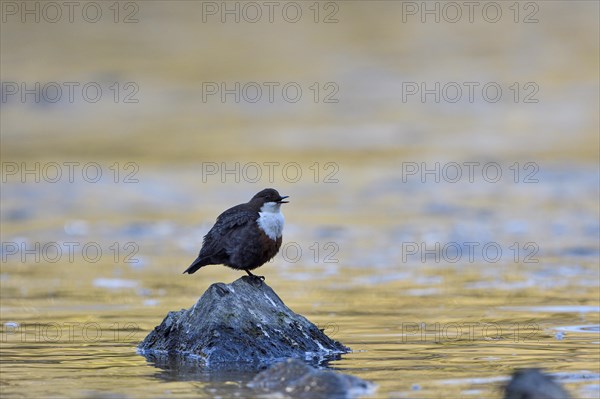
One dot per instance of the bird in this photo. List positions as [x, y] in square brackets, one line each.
[245, 236]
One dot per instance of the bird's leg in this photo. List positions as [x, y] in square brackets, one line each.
[261, 278]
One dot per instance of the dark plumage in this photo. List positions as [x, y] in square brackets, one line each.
[239, 240]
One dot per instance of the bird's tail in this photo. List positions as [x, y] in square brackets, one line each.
[197, 264]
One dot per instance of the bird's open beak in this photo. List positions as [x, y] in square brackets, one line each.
[281, 200]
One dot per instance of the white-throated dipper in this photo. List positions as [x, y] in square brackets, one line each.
[246, 236]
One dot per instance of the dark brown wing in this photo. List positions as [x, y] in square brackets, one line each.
[223, 237]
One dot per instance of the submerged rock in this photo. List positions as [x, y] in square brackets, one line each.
[533, 384]
[294, 379]
[237, 324]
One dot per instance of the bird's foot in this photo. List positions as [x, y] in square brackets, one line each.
[261, 278]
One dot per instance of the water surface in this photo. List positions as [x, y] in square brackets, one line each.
[441, 284]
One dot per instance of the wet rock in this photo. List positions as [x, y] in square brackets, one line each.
[533, 384]
[237, 324]
[294, 379]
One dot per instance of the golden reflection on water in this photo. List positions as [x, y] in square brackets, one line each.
[417, 328]
[429, 327]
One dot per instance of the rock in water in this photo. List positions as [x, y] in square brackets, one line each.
[533, 384]
[292, 378]
[242, 322]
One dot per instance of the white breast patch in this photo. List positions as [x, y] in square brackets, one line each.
[271, 220]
